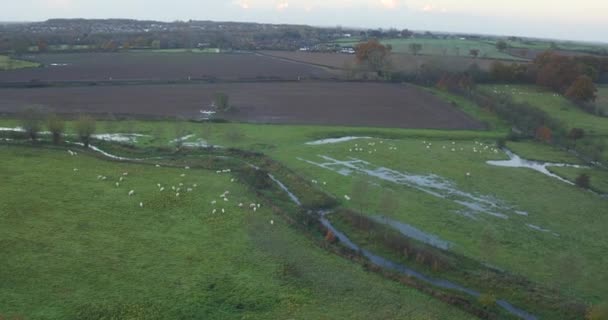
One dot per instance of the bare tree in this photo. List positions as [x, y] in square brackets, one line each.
[221, 101]
[85, 127]
[31, 122]
[56, 127]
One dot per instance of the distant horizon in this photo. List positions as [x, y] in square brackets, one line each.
[547, 19]
[601, 42]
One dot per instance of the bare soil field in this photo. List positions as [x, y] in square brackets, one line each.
[353, 104]
[401, 62]
[161, 66]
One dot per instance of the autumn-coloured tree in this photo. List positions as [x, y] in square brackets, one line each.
[330, 236]
[415, 48]
[555, 71]
[42, 46]
[582, 89]
[576, 134]
[373, 54]
[474, 53]
[544, 134]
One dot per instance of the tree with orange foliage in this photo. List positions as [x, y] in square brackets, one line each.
[373, 54]
[582, 89]
[330, 236]
[544, 134]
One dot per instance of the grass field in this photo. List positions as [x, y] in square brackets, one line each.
[74, 246]
[542, 152]
[556, 106]
[602, 96]
[7, 63]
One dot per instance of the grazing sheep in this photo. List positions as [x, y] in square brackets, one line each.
[132, 192]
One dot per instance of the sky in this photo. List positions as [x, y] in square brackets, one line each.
[556, 19]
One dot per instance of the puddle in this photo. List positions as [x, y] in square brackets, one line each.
[182, 139]
[516, 161]
[119, 137]
[541, 229]
[334, 140]
[17, 129]
[414, 233]
[432, 184]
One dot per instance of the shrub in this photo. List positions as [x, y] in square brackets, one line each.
[598, 312]
[583, 181]
[487, 300]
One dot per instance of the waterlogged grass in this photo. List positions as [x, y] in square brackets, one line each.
[567, 256]
[7, 63]
[598, 178]
[75, 246]
[556, 106]
[542, 152]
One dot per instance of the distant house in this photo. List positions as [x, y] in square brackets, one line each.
[304, 49]
[347, 35]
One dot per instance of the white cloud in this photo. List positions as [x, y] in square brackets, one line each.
[390, 4]
[282, 5]
[244, 4]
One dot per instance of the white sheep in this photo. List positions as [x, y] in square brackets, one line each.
[132, 192]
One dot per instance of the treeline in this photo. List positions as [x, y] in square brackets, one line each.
[527, 120]
[109, 35]
[572, 77]
[33, 122]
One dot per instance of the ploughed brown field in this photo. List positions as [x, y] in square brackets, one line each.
[161, 66]
[329, 103]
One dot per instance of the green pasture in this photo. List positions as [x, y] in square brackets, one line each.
[74, 246]
[8, 63]
[556, 106]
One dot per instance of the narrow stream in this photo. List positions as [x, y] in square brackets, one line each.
[388, 264]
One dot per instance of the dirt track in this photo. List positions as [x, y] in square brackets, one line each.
[330, 103]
